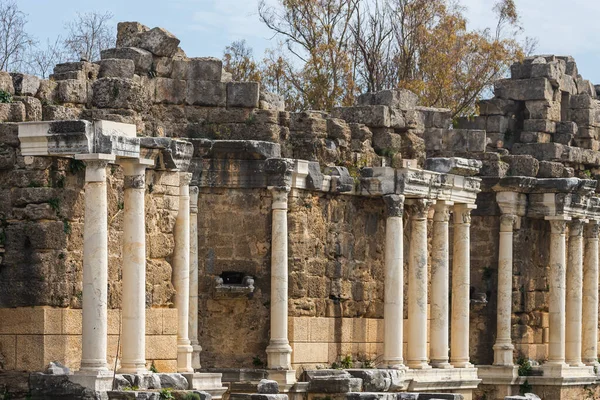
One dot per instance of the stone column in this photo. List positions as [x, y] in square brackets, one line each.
[279, 351]
[461, 285]
[574, 294]
[133, 359]
[503, 348]
[95, 266]
[590, 295]
[181, 274]
[417, 285]
[193, 322]
[556, 302]
[440, 281]
[393, 309]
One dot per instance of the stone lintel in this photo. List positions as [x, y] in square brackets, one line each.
[512, 203]
[422, 183]
[526, 184]
[377, 181]
[173, 154]
[454, 165]
[572, 205]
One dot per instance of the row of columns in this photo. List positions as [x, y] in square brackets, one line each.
[573, 292]
[418, 210]
[95, 269]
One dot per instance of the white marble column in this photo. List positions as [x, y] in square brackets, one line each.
[95, 266]
[181, 274]
[590, 295]
[417, 284]
[279, 351]
[393, 309]
[461, 286]
[440, 281]
[503, 348]
[556, 302]
[133, 339]
[193, 322]
[574, 307]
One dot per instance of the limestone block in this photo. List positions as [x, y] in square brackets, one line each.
[169, 321]
[271, 101]
[543, 109]
[588, 132]
[8, 351]
[116, 68]
[435, 117]
[397, 98]
[397, 120]
[308, 123]
[520, 71]
[78, 70]
[7, 157]
[522, 165]
[9, 134]
[30, 352]
[266, 386]
[6, 82]
[46, 90]
[496, 106]
[539, 125]
[550, 169]
[163, 66]
[551, 70]
[25, 85]
[373, 116]
[582, 101]
[585, 87]
[386, 141]
[338, 129]
[461, 140]
[477, 122]
[587, 143]
[55, 113]
[127, 33]
[173, 381]
[334, 385]
[142, 59]
[535, 137]
[161, 347]
[33, 107]
[585, 116]
[198, 69]
[206, 93]
[12, 112]
[72, 91]
[524, 89]
[169, 91]
[379, 380]
[120, 93]
[243, 94]
[159, 42]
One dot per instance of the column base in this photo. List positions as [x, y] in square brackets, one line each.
[184, 358]
[207, 382]
[284, 378]
[576, 363]
[443, 364]
[136, 367]
[394, 364]
[279, 355]
[503, 354]
[462, 364]
[418, 364]
[196, 349]
[94, 380]
[593, 362]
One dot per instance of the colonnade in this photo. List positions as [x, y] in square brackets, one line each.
[444, 351]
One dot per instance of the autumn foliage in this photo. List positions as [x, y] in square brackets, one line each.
[332, 50]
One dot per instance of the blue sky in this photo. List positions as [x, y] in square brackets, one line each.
[205, 27]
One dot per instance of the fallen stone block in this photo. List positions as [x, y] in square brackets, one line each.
[173, 381]
[198, 69]
[75, 70]
[386, 140]
[524, 89]
[163, 66]
[116, 68]
[243, 94]
[120, 93]
[395, 98]
[380, 380]
[266, 386]
[334, 385]
[338, 129]
[159, 42]
[585, 87]
[128, 33]
[372, 116]
[33, 107]
[6, 83]
[206, 93]
[25, 85]
[72, 91]
[371, 396]
[141, 58]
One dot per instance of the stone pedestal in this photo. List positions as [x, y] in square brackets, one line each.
[574, 307]
[417, 284]
[590, 295]
[556, 303]
[133, 338]
[503, 348]
[193, 322]
[440, 315]
[461, 285]
[207, 382]
[181, 275]
[279, 351]
[393, 309]
[95, 271]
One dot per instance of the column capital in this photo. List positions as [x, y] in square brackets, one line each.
[394, 205]
[462, 213]
[418, 208]
[185, 178]
[592, 229]
[95, 166]
[280, 197]
[576, 227]
[508, 222]
[442, 210]
[194, 199]
[558, 225]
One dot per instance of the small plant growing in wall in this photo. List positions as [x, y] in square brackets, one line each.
[5, 97]
[192, 396]
[524, 366]
[258, 363]
[165, 394]
[153, 368]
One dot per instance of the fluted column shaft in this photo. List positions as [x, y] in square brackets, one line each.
[503, 348]
[417, 285]
[279, 351]
[134, 268]
[574, 306]
[95, 266]
[590, 295]
[393, 309]
[461, 285]
[181, 274]
[439, 325]
[556, 302]
[193, 321]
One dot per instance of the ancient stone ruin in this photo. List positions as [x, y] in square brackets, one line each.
[164, 228]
